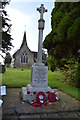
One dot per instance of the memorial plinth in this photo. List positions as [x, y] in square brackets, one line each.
[39, 82]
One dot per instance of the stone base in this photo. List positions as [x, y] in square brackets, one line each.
[38, 89]
[32, 96]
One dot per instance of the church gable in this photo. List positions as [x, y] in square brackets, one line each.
[23, 57]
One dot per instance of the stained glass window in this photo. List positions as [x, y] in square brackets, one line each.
[21, 59]
[24, 58]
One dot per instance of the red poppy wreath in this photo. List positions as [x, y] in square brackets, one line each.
[41, 97]
[51, 98]
[35, 104]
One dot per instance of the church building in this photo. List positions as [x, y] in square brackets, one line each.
[24, 57]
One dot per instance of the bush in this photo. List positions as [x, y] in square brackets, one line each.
[2, 68]
[70, 74]
[51, 64]
[77, 76]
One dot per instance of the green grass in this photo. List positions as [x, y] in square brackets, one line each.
[16, 78]
[55, 82]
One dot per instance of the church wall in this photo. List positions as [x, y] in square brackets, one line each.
[24, 51]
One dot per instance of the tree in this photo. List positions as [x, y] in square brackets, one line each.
[5, 28]
[63, 42]
[8, 59]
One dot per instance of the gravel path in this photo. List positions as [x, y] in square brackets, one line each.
[15, 109]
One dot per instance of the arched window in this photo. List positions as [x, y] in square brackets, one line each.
[21, 59]
[24, 58]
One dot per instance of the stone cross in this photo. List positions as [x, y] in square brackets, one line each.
[41, 10]
[41, 21]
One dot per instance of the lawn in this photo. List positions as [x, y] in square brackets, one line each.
[17, 78]
[14, 77]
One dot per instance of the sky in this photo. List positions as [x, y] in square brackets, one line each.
[24, 16]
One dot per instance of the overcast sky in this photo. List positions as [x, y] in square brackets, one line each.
[23, 16]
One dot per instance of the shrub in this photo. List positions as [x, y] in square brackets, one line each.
[77, 76]
[2, 68]
[51, 64]
[70, 74]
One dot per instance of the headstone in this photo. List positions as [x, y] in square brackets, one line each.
[2, 90]
[1, 102]
[39, 72]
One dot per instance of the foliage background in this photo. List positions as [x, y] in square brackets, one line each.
[63, 42]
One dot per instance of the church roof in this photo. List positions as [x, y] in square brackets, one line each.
[24, 40]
